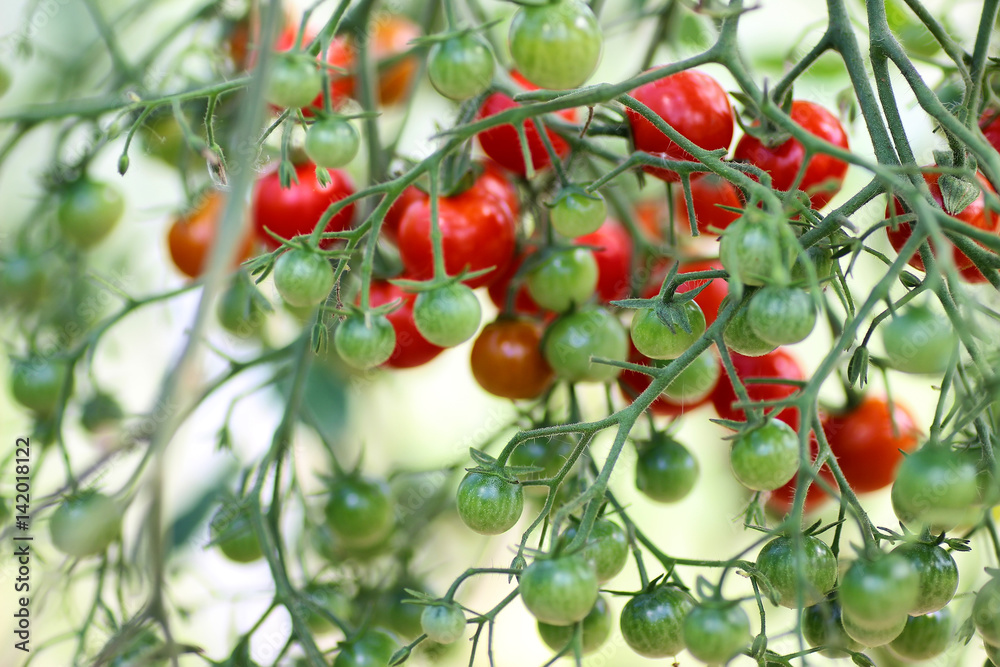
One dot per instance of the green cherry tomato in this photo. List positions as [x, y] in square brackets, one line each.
[242, 309]
[372, 649]
[780, 560]
[765, 457]
[666, 471]
[100, 411]
[398, 616]
[652, 623]
[85, 524]
[877, 593]
[924, 637]
[329, 596]
[873, 634]
[443, 623]
[573, 339]
[606, 549]
[993, 653]
[937, 575]
[556, 45]
[822, 626]
[303, 278]
[658, 340]
[295, 81]
[5, 79]
[448, 315]
[561, 590]
[360, 511]
[549, 454]
[365, 342]
[740, 337]
[564, 278]
[36, 382]
[460, 67]
[918, 340]
[596, 630]
[232, 532]
[489, 504]
[24, 281]
[755, 251]
[936, 487]
[821, 256]
[781, 315]
[986, 612]
[332, 142]
[578, 213]
[696, 381]
[88, 211]
[715, 631]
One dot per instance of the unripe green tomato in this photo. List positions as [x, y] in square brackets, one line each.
[871, 635]
[372, 649]
[565, 278]
[443, 623]
[918, 340]
[606, 548]
[780, 561]
[754, 251]
[781, 315]
[295, 81]
[36, 383]
[101, 410]
[489, 504]
[561, 590]
[595, 632]
[654, 338]
[303, 278]
[822, 626]
[233, 533]
[740, 337]
[365, 342]
[697, 380]
[360, 511]
[88, 211]
[924, 637]
[765, 457]
[5, 79]
[652, 623]
[986, 612]
[332, 142]
[936, 487]
[666, 471]
[937, 575]
[85, 524]
[577, 214]
[556, 45]
[715, 631]
[821, 256]
[241, 308]
[24, 281]
[460, 67]
[164, 139]
[877, 593]
[573, 339]
[448, 315]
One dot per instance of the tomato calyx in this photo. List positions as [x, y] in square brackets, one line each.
[487, 465]
[957, 191]
[754, 122]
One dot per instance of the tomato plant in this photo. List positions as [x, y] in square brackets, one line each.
[714, 631]
[918, 340]
[303, 278]
[565, 278]
[659, 339]
[297, 209]
[295, 81]
[331, 142]
[937, 575]
[935, 488]
[233, 533]
[365, 341]
[411, 348]
[781, 315]
[711, 197]
[612, 247]
[764, 457]
[36, 383]
[607, 549]
[777, 366]
[578, 213]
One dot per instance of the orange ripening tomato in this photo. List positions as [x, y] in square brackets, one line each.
[391, 36]
[192, 236]
[507, 359]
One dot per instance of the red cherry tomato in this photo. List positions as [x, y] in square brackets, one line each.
[192, 236]
[975, 214]
[973, 275]
[295, 210]
[709, 298]
[502, 144]
[778, 364]
[780, 500]
[708, 193]
[477, 229]
[989, 122]
[507, 359]
[614, 259]
[632, 384]
[390, 225]
[866, 445]
[523, 303]
[823, 176]
[691, 102]
[412, 349]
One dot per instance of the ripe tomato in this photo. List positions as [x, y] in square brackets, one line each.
[614, 259]
[976, 214]
[708, 193]
[523, 303]
[989, 123]
[595, 631]
[359, 510]
[652, 622]
[866, 445]
[823, 176]
[556, 45]
[691, 102]
[390, 225]
[411, 349]
[507, 359]
[477, 230]
[489, 504]
[85, 524]
[295, 210]
[710, 298]
[460, 67]
[778, 364]
[192, 236]
[560, 590]
[779, 560]
[502, 144]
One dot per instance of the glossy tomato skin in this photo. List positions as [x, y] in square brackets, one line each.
[489, 504]
[339, 54]
[975, 214]
[691, 102]
[865, 444]
[411, 349]
[614, 250]
[708, 193]
[633, 383]
[824, 175]
[507, 359]
[295, 210]
[777, 364]
[561, 590]
[390, 224]
[192, 236]
[501, 143]
[478, 232]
